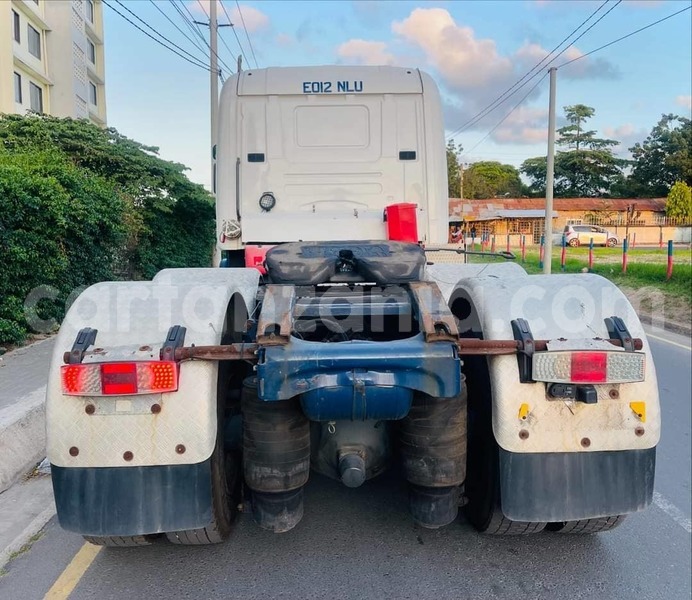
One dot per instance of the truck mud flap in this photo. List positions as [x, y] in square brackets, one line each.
[557, 486]
[123, 501]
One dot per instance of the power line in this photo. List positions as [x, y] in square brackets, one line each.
[624, 37]
[235, 33]
[185, 35]
[155, 31]
[572, 61]
[219, 37]
[492, 108]
[191, 21]
[506, 94]
[188, 57]
[247, 34]
[517, 105]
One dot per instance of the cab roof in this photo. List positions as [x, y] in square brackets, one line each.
[290, 80]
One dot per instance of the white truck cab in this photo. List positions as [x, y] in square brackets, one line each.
[318, 153]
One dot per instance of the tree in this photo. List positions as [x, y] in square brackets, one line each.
[60, 226]
[490, 179]
[81, 204]
[453, 176]
[158, 195]
[587, 169]
[663, 158]
[574, 136]
[679, 202]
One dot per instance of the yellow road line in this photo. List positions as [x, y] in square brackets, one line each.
[73, 573]
[667, 341]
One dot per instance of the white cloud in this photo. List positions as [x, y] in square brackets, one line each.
[255, 20]
[531, 54]
[463, 61]
[627, 134]
[684, 101]
[526, 125]
[362, 52]
[473, 72]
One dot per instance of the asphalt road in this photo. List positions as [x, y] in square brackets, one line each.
[361, 544]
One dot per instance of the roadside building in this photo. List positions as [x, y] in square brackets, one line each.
[644, 217]
[52, 58]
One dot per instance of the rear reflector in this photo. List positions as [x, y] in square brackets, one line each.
[589, 366]
[119, 378]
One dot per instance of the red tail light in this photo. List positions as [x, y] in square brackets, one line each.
[589, 367]
[120, 378]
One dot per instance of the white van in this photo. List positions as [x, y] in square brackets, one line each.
[318, 153]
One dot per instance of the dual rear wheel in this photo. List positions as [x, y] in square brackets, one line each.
[483, 509]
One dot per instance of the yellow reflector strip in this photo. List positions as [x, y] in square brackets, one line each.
[639, 409]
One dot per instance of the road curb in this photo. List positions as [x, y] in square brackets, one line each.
[672, 326]
[22, 437]
[25, 536]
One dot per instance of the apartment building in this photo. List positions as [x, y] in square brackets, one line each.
[52, 58]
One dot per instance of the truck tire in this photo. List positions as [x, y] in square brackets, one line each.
[587, 526]
[483, 509]
[224, 484]
[129, 541]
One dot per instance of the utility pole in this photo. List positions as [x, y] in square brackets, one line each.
[549, 179]
[214, 85]
[214, 75]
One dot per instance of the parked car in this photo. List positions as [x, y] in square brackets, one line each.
[583, 234]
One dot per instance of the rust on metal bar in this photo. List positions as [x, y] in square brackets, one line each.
[276, 317]
[228, 352]
[473, 346]
[437, 321]
[466, 347]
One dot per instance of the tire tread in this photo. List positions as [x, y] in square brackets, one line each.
[588, 526]
[111, 541]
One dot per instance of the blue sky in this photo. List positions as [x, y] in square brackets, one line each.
[475, 50]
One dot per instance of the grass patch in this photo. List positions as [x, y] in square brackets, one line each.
[639, 274]
[644, 284]
[26, 547]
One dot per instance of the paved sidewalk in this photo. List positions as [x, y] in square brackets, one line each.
[23, 378]
[24, 371]
[24, 510]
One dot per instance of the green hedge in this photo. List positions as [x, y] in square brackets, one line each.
[78, 205]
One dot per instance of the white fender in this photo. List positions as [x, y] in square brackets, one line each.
[556, 306]
[132, 319]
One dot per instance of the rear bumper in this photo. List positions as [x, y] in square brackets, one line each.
[359, 380]
[568, 486]
[122, 501]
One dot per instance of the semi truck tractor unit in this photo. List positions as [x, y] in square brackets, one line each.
[329, 341]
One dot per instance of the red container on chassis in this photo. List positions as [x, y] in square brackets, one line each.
[402, 222]
[254, 257]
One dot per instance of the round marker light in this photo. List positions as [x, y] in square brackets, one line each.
[267, 201]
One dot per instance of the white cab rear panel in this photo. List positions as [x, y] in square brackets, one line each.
[331, 139]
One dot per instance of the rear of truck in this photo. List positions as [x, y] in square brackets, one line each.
[529, 400]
